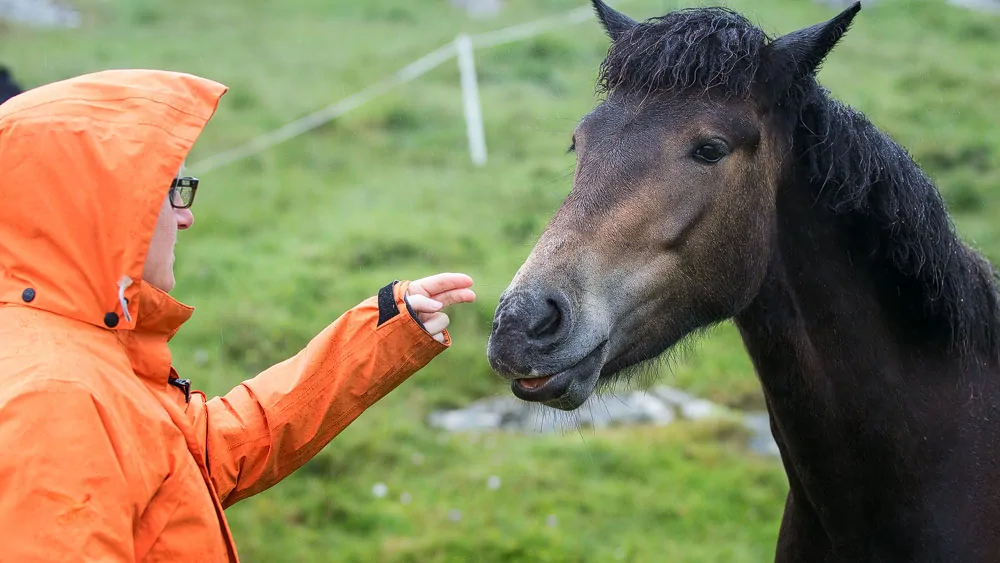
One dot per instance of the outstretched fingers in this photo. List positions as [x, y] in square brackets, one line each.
[435, 325]
[427, 296]
[454, 296]
[422, 304]
[440, 283]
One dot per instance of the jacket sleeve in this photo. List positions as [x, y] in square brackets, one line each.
[269, 426]
[63, 494]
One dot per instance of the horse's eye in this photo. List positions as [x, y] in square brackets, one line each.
[710, 153]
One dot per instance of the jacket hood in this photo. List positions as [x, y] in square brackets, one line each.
[85, 165]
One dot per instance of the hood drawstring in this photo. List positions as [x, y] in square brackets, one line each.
[123, 284]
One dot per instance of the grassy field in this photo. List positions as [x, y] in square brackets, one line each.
[286, 240]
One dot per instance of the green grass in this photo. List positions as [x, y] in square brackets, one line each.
[635, 495]
[286, 240]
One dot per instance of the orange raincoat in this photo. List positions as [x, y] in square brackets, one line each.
[106, 454]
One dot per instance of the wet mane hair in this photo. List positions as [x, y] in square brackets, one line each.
[944, 289]
[703, 48]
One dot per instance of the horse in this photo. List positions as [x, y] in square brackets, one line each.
[716, 180]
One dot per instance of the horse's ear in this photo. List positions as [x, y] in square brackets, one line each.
[799, 54]
[615, 23]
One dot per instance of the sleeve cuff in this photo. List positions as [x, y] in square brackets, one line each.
[392, 298]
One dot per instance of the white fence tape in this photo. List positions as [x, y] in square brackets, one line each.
[317, 118]
[411, 71]
[470, 100]
[530, 29]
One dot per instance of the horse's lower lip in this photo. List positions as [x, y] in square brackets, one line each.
[533, 382]
[552, 387]
[541, 388]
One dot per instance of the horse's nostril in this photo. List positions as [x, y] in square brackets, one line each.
[548, 320]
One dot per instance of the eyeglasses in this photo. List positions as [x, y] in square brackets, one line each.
[182, 192]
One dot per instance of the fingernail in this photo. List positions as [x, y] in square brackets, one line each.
[436, 304]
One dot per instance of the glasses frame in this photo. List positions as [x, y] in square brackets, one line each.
[183, 182]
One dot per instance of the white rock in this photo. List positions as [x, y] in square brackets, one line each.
[464, 420]
[762, 441]
[660, 405]
[651, 409]
[673, 397]
[699, 409]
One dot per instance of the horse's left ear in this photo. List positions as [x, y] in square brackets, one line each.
[615, 23]
[798, 54]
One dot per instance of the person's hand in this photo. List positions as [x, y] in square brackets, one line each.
[427, 296]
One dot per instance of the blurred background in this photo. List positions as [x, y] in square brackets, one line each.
[382, 183]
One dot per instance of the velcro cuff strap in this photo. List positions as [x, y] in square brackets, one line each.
[387, 308]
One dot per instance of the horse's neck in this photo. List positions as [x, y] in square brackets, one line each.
[818, 332]
[850, 394]
[820, 314]
[832, 325]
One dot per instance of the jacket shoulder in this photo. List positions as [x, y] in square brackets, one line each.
[79, 385]
[40, 353]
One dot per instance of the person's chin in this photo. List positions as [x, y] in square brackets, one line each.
[163, 283]
[169, 279]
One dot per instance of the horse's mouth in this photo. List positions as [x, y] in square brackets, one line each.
[567, 389]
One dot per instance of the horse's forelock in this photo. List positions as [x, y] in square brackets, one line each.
[699, 48]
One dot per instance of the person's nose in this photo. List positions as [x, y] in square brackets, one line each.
[185, 218]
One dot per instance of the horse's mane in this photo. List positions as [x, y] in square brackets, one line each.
[945, 288]
[948, 290]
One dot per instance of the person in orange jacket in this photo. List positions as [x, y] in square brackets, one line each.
[107, 453]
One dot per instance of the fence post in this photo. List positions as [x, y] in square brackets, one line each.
[470, 97]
